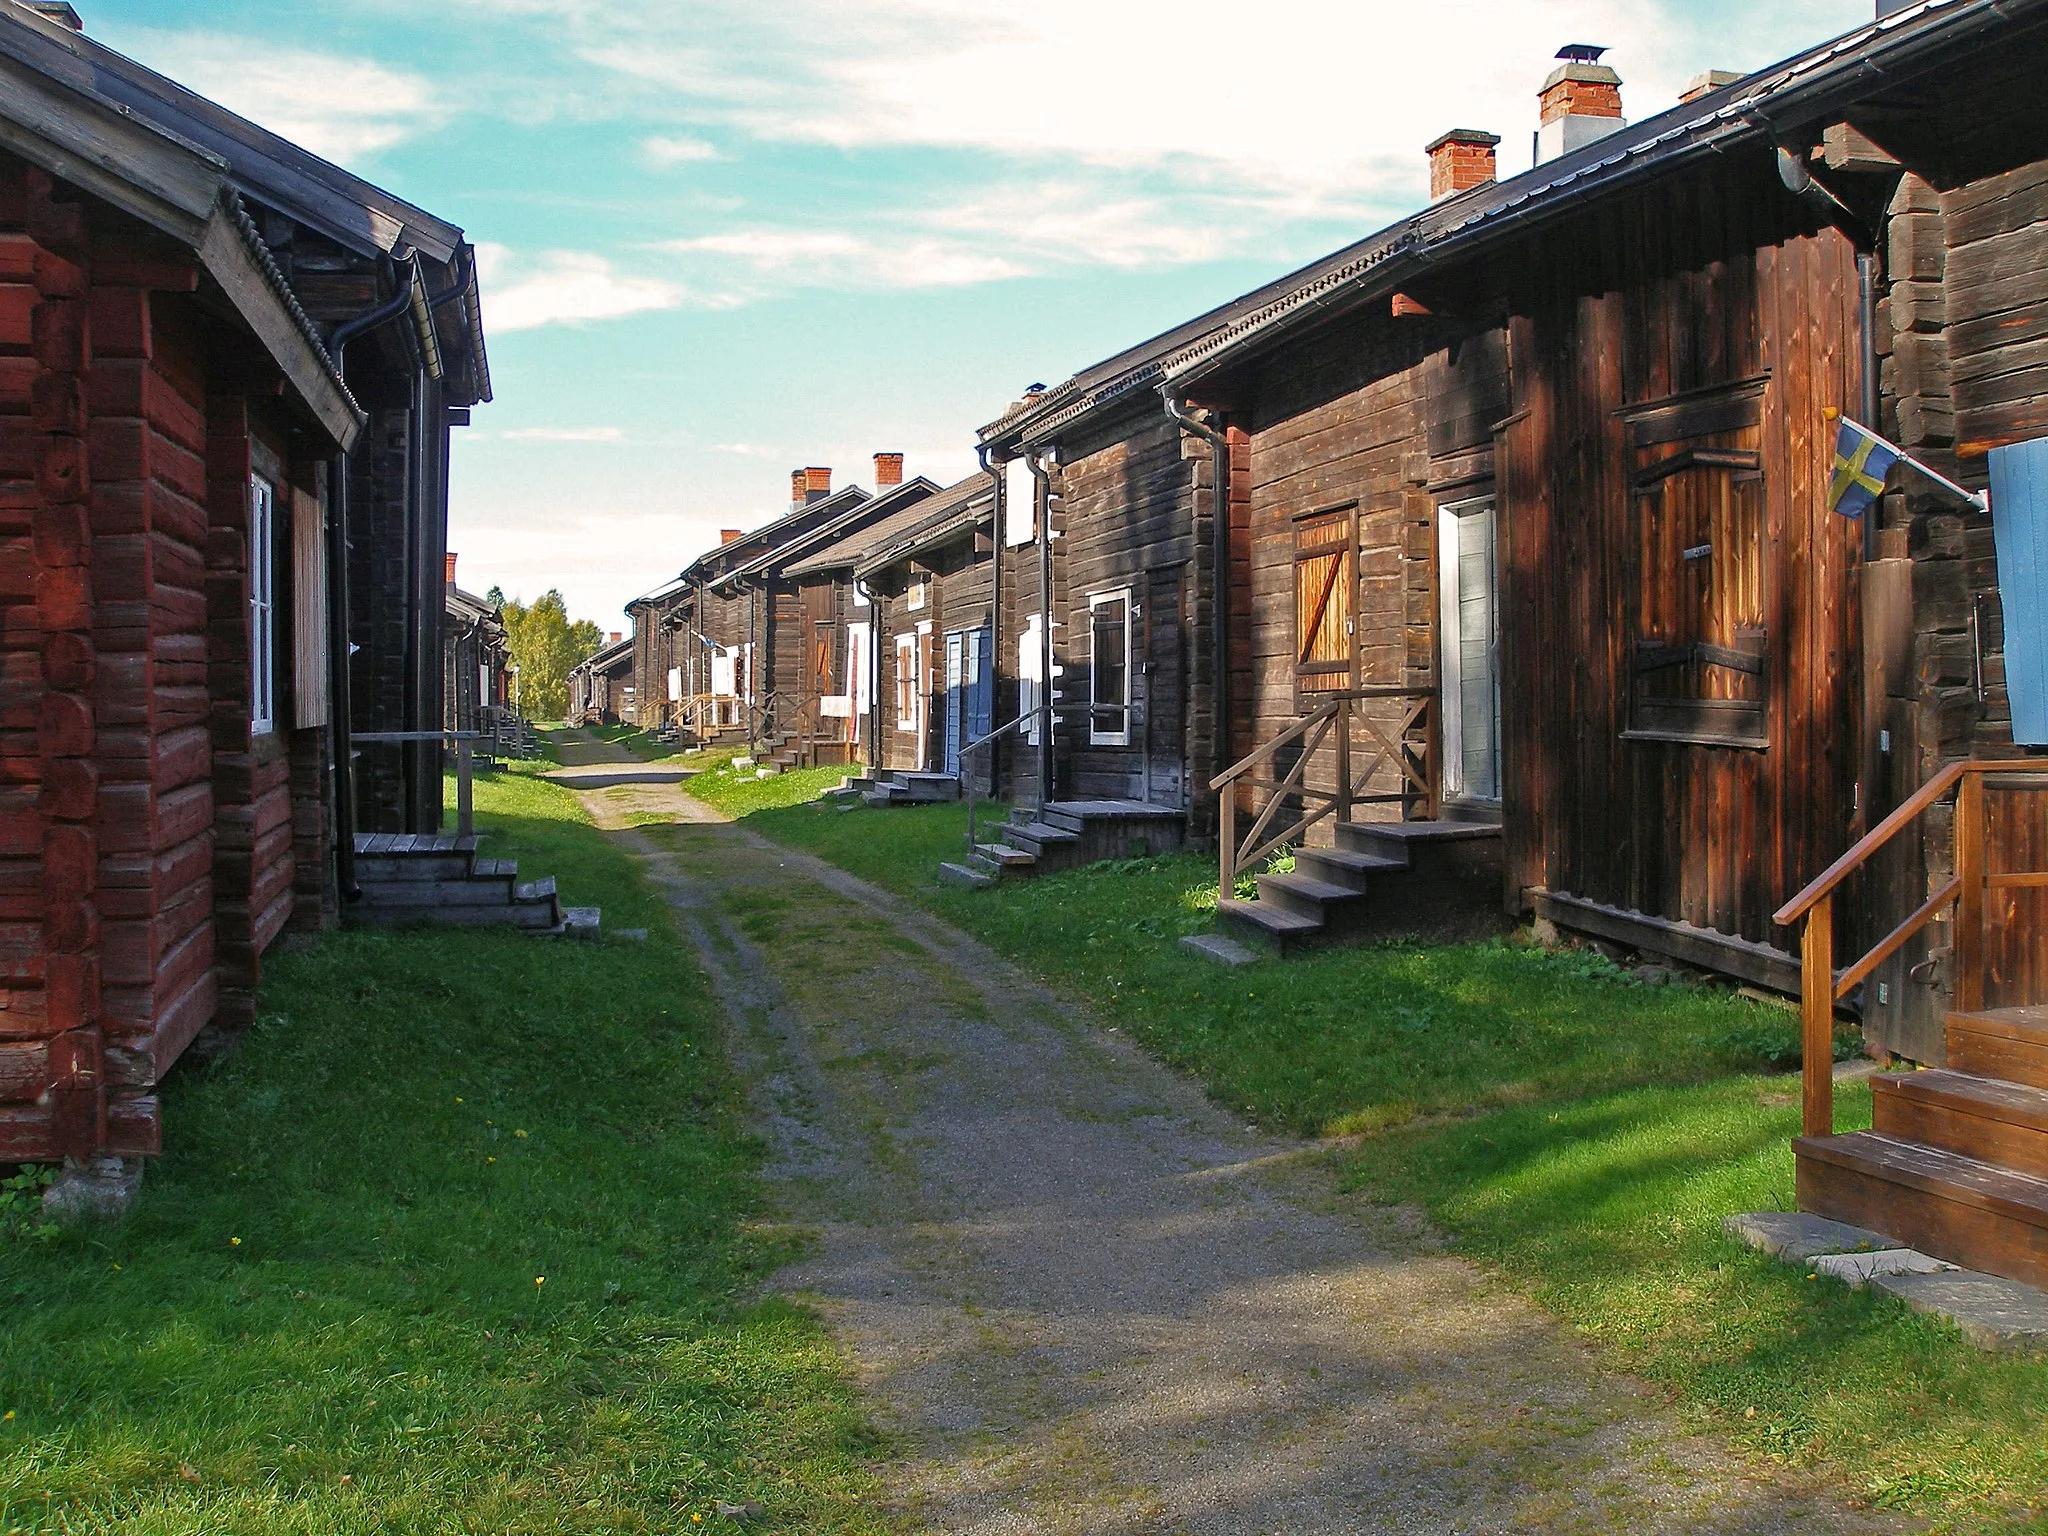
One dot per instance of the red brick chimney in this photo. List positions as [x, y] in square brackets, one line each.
[1581, 102]
[727, 535]
[614, 637]
[1708, 82]
[1459, 161]
[888, 470]
[808, 485]
[59, 12]
[450, 577]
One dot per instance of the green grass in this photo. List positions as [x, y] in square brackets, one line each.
[1580, 1133]
[462, 1239]
[744, 794]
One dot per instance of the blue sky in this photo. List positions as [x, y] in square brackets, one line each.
[723, 238]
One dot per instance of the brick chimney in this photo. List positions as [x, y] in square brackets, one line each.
[888, 471]
[808, 485]
[1708, 82]
[1459, 161]
[1581, 102]
[450, 577]
[57, 11]
[614, 637]
[727, 535]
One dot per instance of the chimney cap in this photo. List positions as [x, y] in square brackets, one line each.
[1707, 82]
[1477, 136]
[1582, 53]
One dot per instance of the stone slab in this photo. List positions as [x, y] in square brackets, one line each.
[962, 875]
[1857, 1270]
[1796, 1237]
[1999, 1315]
[1223, 951]
[105, 1189]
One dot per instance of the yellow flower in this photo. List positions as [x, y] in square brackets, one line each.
[458, 1098]
[7, 1415]
[696, 1519]
[539, 1281]
[490, 1159]
[234, 1242]
[520, 1134]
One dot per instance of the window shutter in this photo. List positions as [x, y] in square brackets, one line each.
[309, 612]
[2019, 522]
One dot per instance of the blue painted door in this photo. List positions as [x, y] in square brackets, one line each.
[970, 689]
[2019, 521]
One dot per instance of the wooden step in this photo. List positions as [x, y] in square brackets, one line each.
[1004, 856]
[1986, 1118]
[1340, 866]
[1305, 895]
[1038, 837]
[494, 890]
[1270, 925]
[2011, 1043]
[1957, 1208]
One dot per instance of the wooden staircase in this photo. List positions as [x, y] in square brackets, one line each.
[1956, 1161]
[897, 787]
[1065, 834]
[436, 880]
[1382, 876]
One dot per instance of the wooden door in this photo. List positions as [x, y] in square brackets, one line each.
[1325, 585]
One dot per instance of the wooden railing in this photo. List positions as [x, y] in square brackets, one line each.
[1294, 805]
[1821, 986]
[465, 821]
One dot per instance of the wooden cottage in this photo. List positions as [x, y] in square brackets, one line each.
[601, 685]
[178, 433]
[474, 688]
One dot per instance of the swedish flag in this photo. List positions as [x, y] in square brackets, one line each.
[1862, 460]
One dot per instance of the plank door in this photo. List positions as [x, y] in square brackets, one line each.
[1469, 685]
[1325, 585]
[956, 699]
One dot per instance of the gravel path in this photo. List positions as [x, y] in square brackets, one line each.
[1087, 1300]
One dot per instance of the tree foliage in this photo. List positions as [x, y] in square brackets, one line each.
[546, 645]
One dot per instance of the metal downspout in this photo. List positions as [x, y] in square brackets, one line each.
[1866, 296]
[998, 516]
[338, 645]
[1219, 560]
[1041, 498]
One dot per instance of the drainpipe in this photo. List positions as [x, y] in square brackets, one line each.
[1042, 509]
[1866, 296]
[1219, 533]
[997, 516]
[338, 646]
[753, 685]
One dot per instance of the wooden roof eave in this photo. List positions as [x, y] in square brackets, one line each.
[179, 189]
[946, 530]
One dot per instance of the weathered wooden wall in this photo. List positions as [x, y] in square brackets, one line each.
[1693, 287]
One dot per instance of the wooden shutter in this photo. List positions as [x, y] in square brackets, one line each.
[309, 612]
[1324, 584]
[2019, 522]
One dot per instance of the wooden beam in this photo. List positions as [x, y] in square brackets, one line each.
[1707, 948]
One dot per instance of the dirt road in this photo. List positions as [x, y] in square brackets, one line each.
[1087, 1300]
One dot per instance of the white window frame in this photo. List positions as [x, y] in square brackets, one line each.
[1450, 636]
[262, 606]
[1097, 736]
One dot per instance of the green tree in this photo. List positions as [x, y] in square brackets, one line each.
[546, 645]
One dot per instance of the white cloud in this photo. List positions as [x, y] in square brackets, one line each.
[343, 109]
[745, 450]
[665, 150]
[564, 288]
[836, 259]
[564, 435]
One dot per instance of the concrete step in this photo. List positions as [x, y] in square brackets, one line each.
[535, 917]
[966, 875]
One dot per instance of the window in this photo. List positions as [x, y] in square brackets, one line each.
[1109, 668]
[262, 608]
[1468, 650]
[1030, 684]
[917, 594]
[1323, 584]
[906, 682]
[1698, 667]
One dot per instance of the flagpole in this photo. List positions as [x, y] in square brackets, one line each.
[1972, 498]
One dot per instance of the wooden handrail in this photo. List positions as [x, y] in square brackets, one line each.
[1331, 701]
[1886, 830]
[1821, 986]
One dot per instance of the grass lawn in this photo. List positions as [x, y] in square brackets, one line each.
[636, 741]
[743, 793]
[464, 1238]
[1579, 1132]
